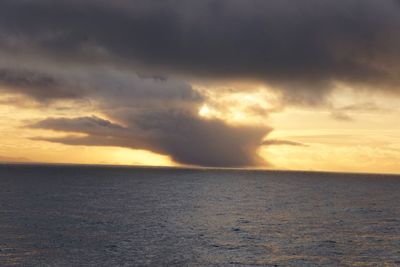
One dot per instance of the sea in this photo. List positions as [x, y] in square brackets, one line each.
[57, 215]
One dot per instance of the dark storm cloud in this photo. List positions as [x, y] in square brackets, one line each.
[301, 47]
[37, 85]
[134, 61]
[90, 125]
[186, 138]
[154, 113]
[113, 87]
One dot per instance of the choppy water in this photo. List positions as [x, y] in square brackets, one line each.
[91, 216]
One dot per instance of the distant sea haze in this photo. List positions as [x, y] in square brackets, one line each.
[119, 216]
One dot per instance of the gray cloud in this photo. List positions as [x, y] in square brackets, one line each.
[364, 107]
[40, 86]
[153, 113]
[345, 113]
[274, 142]
[113, 86]
[186, 138]
[134, 61]
[301, 47]
[341, 116]
[90, 125]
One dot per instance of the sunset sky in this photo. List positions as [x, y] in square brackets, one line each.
[291, 85]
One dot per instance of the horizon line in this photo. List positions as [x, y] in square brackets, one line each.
[255, 169]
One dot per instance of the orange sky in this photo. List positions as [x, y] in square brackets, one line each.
[310, 85]
[367, 141]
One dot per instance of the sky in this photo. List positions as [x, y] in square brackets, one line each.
[289, 85]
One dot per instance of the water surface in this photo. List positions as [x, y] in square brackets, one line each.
[98, 216]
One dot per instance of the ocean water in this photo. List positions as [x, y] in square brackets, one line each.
[109, 216]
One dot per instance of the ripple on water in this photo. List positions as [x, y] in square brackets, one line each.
[163, 217]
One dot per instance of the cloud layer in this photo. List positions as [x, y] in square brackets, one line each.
[187, 139]
[135, 61]
[275, 142]
[302, 47]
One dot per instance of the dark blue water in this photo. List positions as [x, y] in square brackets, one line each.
[92, 216]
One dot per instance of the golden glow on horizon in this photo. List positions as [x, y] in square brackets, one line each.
[340, 150]
[367, 140]
[16, 145]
